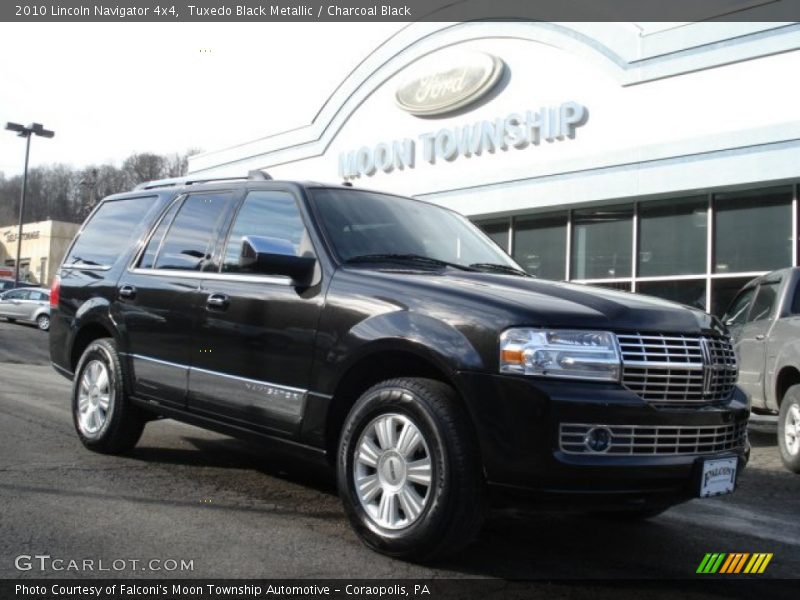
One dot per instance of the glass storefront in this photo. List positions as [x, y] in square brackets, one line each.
[672, 237]
[540, 245]
[602, 241]
[697, 250]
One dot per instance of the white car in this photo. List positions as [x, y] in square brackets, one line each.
[27, 304]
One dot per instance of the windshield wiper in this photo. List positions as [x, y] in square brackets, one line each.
[418, 258]
[500, 269]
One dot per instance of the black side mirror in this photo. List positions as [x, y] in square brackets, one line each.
[275, 256]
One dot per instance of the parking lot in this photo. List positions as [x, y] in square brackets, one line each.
[236, 511]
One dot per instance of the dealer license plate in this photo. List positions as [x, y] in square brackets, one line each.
[718, 477]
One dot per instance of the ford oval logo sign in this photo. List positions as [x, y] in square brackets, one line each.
[448, 82]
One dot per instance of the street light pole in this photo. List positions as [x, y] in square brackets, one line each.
[26, 132]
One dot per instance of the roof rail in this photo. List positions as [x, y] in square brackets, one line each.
[255, 175]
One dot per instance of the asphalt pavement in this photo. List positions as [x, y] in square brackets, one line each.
[234, 510]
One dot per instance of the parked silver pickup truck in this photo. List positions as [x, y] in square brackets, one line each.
[764, 321]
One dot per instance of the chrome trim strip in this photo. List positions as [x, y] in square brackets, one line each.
[155, 360]
[253, 381]
[276, 279]
[87, 267]
[655, 440]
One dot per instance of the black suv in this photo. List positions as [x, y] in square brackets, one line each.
[393, 339]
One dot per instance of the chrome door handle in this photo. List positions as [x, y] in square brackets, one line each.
[127, 291]
[217, 302]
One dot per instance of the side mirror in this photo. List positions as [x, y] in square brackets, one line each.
[275, 256]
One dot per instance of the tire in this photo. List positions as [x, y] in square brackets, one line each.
[117, 424]
[446, 514]
[789, 429]
[10, 320]
[43, 322]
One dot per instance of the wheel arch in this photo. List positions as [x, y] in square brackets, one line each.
[787, 377]
[379, 362]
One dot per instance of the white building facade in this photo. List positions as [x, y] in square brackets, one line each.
[659, 158]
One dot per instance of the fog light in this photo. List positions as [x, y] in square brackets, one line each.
[597, 439]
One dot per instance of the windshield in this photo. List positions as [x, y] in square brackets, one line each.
[366, 225]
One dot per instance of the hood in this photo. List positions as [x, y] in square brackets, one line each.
[543, 303]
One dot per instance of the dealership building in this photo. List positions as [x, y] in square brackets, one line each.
[661, 158]
[44, 244]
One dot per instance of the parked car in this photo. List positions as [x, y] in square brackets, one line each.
[31, 305]
[764, 319]
[393, 340]
[8, 284]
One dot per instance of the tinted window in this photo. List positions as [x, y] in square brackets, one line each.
[266, 214]
[765, 301]
[109, 232]
[189, 241]
[6, 285]
[753, 230]
[497, 230]
[149, 256]
[602, 240]
[672, 237]
[540, 245]
[16, 295]
[737, 313]
[364, 224]
[691, 292]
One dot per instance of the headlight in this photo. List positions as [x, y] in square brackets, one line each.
[560, 353]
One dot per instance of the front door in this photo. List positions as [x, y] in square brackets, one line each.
[255, 339]
[751, 341]
[159, 299]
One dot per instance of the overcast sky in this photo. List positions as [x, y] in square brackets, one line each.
[111, 89]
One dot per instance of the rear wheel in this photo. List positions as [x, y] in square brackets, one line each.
[43, 322]
[408, 470]
[789, 429]
[10, 320]
[104, 417]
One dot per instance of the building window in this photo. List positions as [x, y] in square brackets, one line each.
[540, 245]
[691, 292]
[673, 237]
[723, 291]
[497, 230]
[601, 242]
[753, 230]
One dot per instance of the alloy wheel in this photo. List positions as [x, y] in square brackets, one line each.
[392, 471]
[94, 397]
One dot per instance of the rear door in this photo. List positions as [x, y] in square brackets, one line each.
[159, 297]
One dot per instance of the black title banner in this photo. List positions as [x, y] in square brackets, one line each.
[389, 589]
[398, 10]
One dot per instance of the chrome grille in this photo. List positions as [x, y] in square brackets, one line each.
[662, 439]
[674, 371]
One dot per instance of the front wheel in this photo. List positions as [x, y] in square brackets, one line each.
[409, 472]
[789, 429]
[104, 418]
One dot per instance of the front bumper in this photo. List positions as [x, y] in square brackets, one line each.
[517, 421]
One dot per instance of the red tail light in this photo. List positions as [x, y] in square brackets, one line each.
[55, 291]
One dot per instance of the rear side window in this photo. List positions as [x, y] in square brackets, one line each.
[39, 296]
[17, 295]
[109, 232]
[190, 240]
